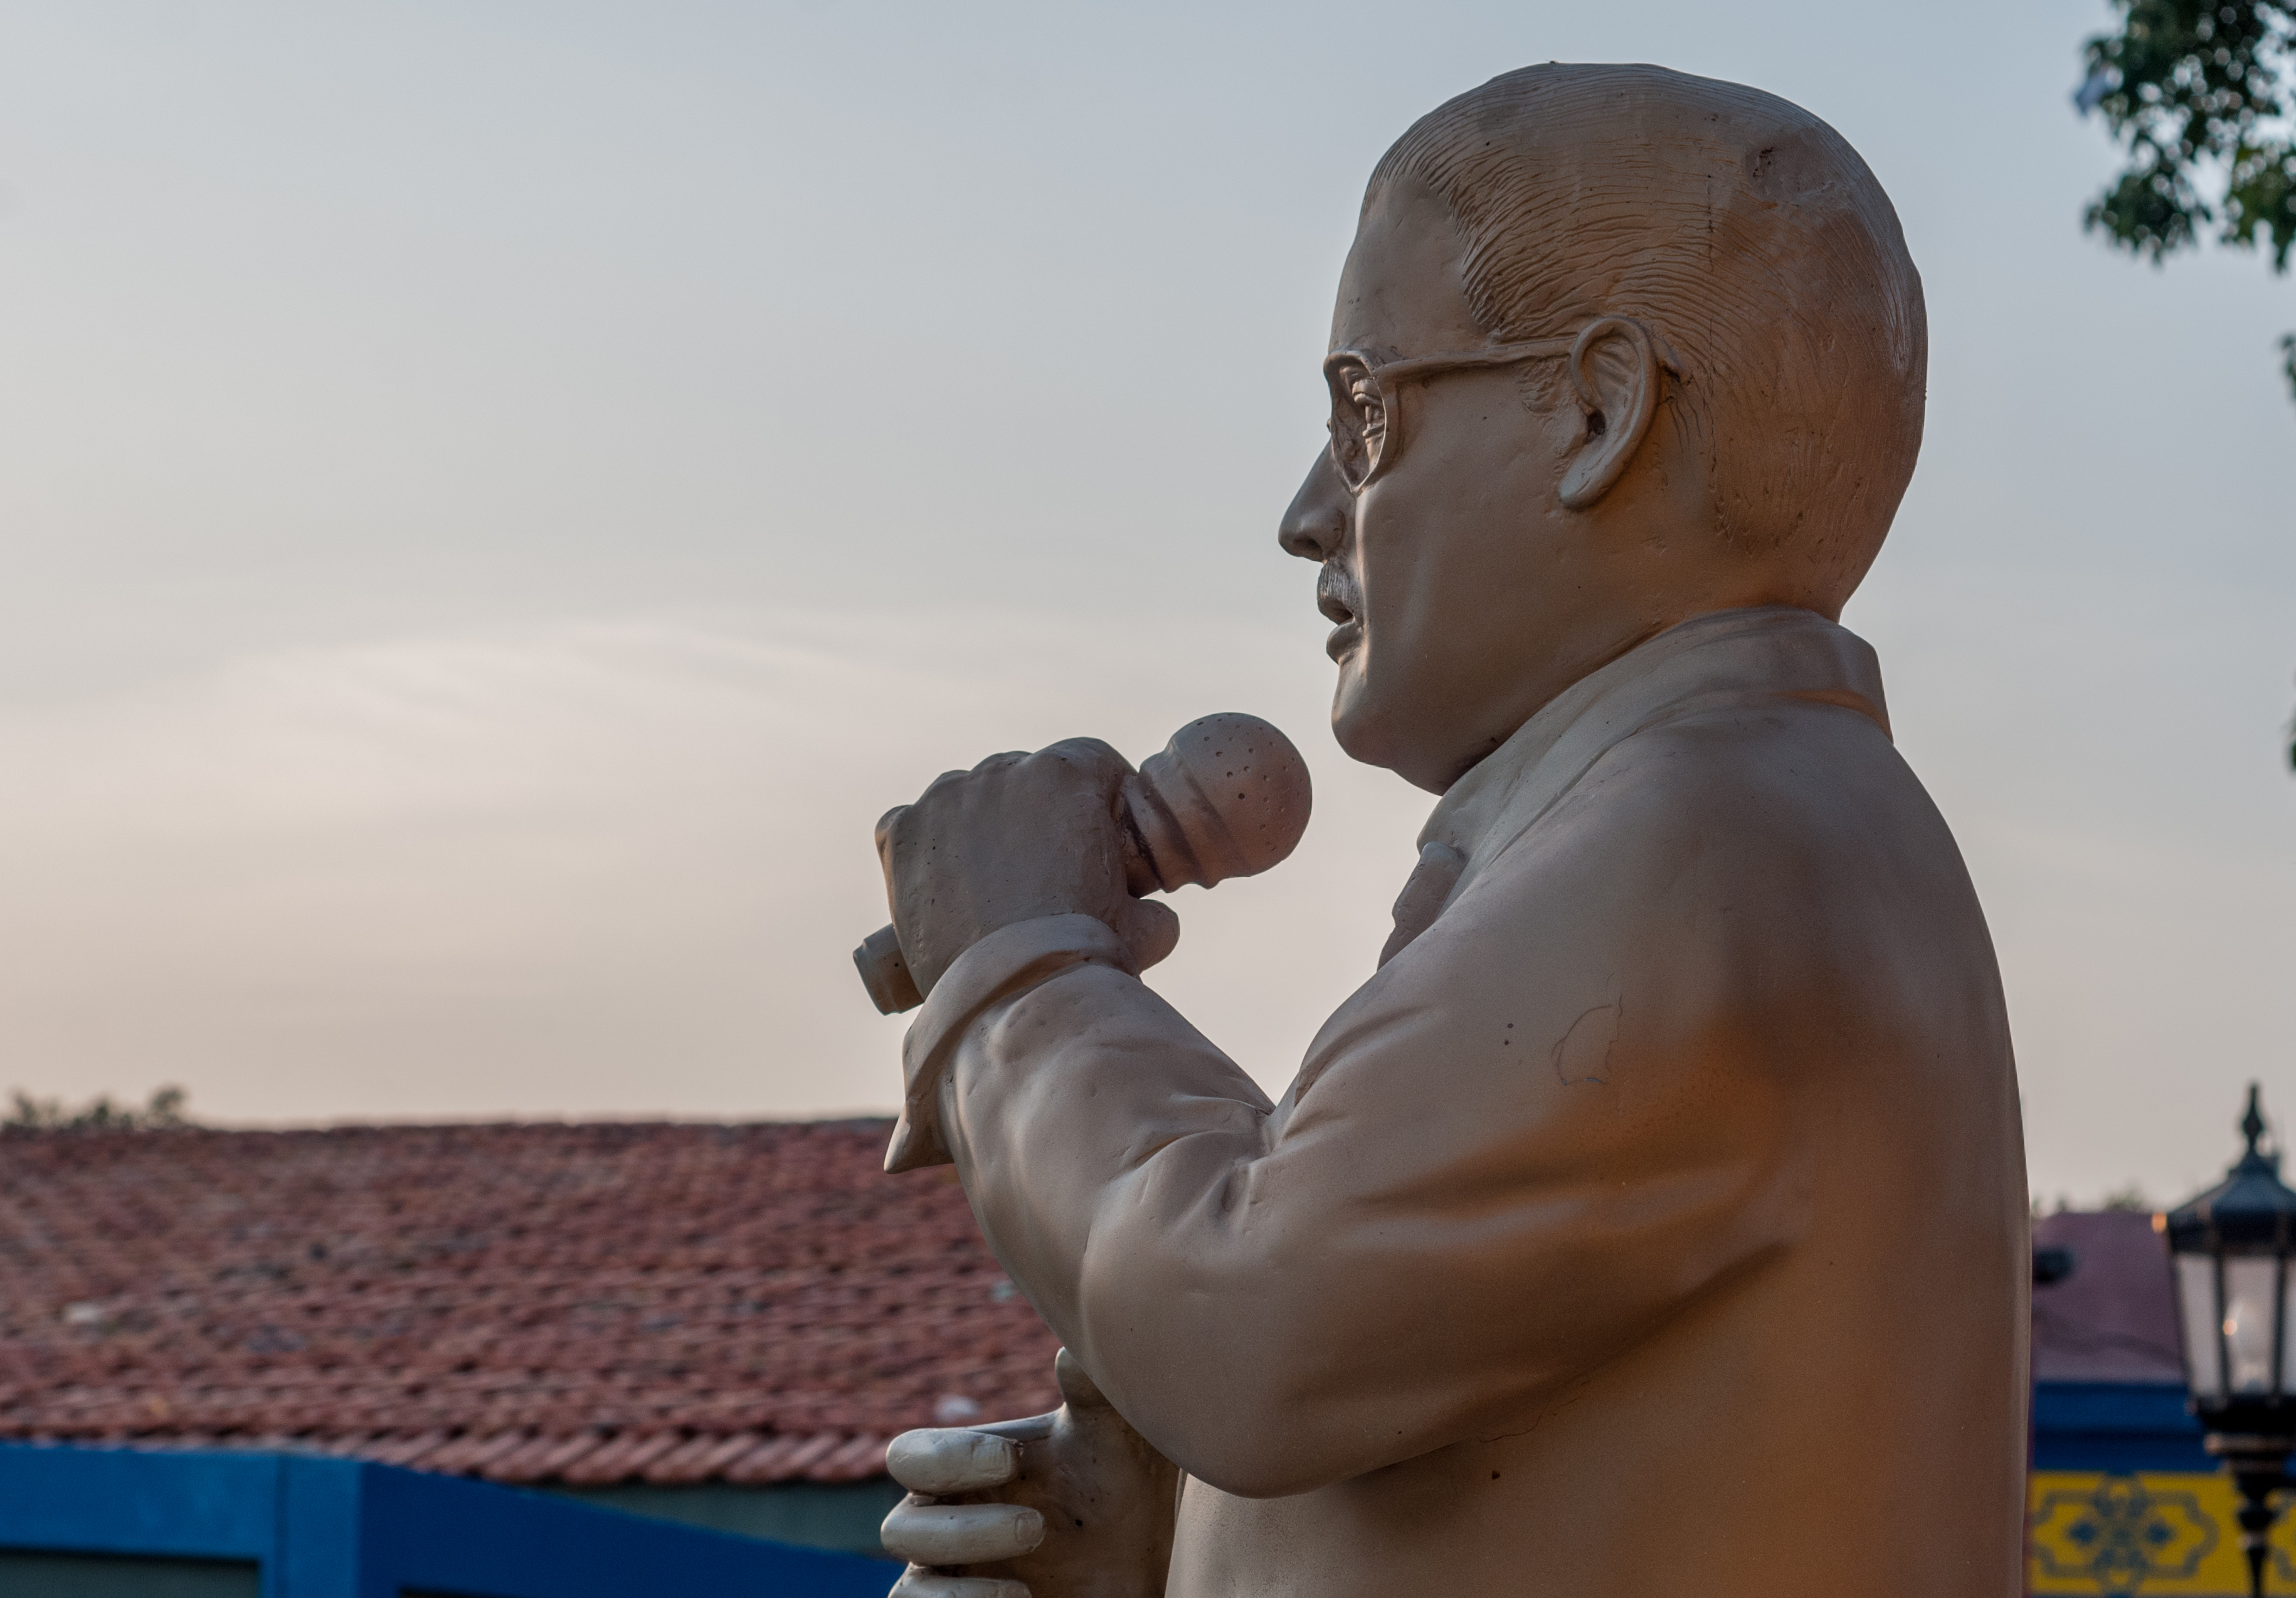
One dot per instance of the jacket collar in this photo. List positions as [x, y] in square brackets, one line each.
[1771, 651]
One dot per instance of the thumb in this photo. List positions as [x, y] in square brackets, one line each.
[1150, 927]
[1078, 1390]
[1106, 768]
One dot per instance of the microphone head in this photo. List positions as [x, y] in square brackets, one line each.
[1227, 797]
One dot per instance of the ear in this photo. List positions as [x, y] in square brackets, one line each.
[1619, 397]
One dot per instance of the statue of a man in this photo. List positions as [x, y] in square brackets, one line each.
[1653, 1220]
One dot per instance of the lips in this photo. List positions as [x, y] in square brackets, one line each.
[1337, 598]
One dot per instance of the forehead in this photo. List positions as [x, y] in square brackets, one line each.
[1404, 288]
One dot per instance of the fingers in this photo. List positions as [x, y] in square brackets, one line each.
[993, 763]
[917, 1582]
[940, 1461]
[959, 1534]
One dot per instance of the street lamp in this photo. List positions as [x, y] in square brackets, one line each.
[2231, 1246]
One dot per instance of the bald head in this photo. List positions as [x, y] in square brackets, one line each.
[1749, 237]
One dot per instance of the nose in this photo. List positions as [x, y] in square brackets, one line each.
[1316, 525]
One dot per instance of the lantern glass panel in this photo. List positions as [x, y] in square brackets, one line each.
[2251, 1322]
[2288, 1334]
[2196, 1302]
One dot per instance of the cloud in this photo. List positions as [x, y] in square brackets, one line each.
[590, 867]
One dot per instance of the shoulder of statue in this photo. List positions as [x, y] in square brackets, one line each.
[1759, 796]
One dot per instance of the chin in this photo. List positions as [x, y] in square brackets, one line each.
[1350, 723]
[1381, 730]
[1348, 731]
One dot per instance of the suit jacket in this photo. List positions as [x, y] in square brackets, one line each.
[1653, 1221]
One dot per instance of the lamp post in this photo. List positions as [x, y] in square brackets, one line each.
[2231, 1246]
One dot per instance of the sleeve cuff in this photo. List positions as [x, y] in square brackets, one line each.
[1007, 962]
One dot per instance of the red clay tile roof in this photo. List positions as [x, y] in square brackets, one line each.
[585, 1302]
[2114, 1319]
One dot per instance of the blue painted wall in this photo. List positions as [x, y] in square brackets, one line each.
[2118, 1426]
[336, 1528]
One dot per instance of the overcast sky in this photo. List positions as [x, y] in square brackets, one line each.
[498, 498]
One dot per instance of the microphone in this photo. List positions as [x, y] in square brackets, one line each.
[1227, 797]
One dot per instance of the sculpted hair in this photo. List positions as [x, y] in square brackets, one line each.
[1751, 237]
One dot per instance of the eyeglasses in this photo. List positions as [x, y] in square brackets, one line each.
[1366, 432]
[1363, 424]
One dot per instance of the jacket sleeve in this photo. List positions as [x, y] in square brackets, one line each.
[1542, 1129]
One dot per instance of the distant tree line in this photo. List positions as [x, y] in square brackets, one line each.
[164, 1107]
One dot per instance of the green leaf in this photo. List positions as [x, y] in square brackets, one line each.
[2201, 97]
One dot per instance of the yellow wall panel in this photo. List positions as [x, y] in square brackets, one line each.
[2169, 1534]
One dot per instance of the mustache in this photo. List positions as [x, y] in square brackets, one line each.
[1336, 593]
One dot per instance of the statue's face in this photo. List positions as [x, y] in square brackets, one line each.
[1450, 572]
